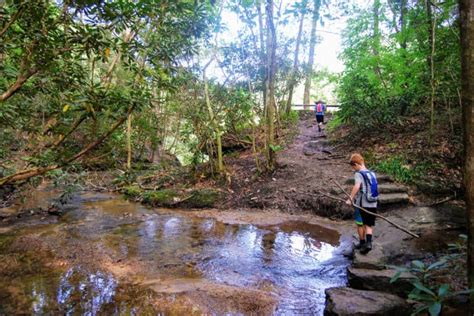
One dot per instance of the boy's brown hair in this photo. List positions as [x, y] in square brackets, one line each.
[357, 159]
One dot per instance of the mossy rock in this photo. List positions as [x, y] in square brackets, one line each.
[201, 199]
[132, 191]
[166, 197]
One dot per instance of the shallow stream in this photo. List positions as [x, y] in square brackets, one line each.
[108, 256]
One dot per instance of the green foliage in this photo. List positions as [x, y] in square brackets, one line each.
[398, 168]
[69, 183]
[90, 63]
[429, 295]
[387, 74]
[401, 170]
[132, 191]
[291, 118]
[335, 122]
[276, 148]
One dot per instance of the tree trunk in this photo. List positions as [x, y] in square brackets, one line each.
[262, 54]
[466, 8]
[270, 91]
[214, 124]
[403, 23]
[432, 41]
[312, 45]
[295, 64]
[129, 142]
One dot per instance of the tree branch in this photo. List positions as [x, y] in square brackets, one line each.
[13, 19]
[20, 80]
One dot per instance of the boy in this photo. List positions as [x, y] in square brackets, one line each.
[319, 108]
[364, 221]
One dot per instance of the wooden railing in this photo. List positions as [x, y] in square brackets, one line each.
[310, 107]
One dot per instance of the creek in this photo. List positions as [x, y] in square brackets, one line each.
[106, 255]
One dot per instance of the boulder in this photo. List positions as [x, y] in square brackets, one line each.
[379, 280]
[344, 301]
[201, 198]
[166, 197]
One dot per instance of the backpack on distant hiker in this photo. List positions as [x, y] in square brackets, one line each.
[319, 108]
[371, 185]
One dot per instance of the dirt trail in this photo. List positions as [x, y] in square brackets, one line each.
[307, 167]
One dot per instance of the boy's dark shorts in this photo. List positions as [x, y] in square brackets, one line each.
[368, 219]
[319, 118]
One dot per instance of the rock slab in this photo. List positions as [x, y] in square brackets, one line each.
[344, 301]
[375, 259]
[379, 280]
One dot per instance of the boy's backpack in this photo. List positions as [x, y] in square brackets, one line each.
[372, 194]
[319, 108]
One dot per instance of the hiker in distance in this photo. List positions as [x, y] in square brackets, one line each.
[319, 108]
[364, 194]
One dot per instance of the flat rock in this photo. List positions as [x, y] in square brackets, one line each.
[346, 301]
[309, 151]
[7, 212]
[375, 259]
[391, 188]
[393, 198]
[379, 280]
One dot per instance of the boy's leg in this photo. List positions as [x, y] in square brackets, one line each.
[369, 223]
[360, 228]
[368, 242]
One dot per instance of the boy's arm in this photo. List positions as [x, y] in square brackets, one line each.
[354, 191]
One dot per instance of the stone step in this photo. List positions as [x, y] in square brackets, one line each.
[391, 188]
[379, 280]
[393, 198]
[345, 301]
[381, 178]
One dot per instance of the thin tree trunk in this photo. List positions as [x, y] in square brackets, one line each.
[312, 45]
[403, 23]
[271, 68]
[127, 37]
[432, 17]
[262, 54]
[129, 141]
[215, 125]
[62, 138]
[376, 42]
[466, 8]
[295, 64]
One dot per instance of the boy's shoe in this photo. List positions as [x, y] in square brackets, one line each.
[366, 248]
[359, 246]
